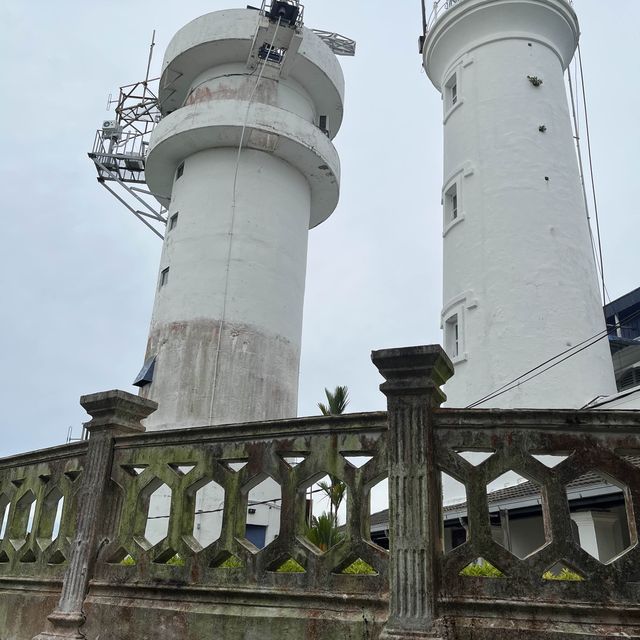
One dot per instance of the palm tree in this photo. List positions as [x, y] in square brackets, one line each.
[323, 532]
[335, 490]
[336, 402]
[325, 527]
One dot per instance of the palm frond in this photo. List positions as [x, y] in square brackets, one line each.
[336, 402]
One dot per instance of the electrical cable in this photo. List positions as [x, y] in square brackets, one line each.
[593, 184]
[575, 113]
[233, 217]
[252, 504]
[542, 364]
[575, 110]
[576, 349]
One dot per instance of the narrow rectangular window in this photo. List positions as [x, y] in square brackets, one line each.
[164, 277]
[451, 203]
[173, 221]
[180, 171]
[451, 92]
[456, 340]
[452, 337]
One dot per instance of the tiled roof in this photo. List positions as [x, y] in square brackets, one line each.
[512, 494]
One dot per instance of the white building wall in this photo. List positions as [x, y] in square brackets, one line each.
[519, 274]
[245, 171]
[527, 535]
[251, 371]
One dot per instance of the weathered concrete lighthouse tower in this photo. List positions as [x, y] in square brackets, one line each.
[243, 156]
[520, 283]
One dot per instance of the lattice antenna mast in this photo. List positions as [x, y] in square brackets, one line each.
[120, 146]
[120, 149]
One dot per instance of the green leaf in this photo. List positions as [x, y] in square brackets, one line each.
[482, 570]
[290, 566]
[323, 532]
[360, 568]
[565, 575]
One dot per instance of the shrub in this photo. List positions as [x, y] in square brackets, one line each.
[360, 568]
[487, 570]
[565, 574]
[232, 562]
[482, 570]
[290, 566]
[176, 561]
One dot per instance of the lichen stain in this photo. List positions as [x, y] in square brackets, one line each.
[266, 92]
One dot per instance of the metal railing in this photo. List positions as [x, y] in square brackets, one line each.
[440, 7]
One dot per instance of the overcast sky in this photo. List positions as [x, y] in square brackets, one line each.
[78, 273]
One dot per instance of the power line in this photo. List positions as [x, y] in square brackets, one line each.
[572, 351]
[575, 110]
[598, 256]
[221, 509]
[576, 123]
[593, 184]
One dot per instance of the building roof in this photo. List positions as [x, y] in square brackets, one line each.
[628, 400]
[626, 301]
[519, 496]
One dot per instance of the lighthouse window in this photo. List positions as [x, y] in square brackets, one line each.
[451, 203]
[452, 337]
[180, 171]
[451, 92]
[173, 221]
[164, 277]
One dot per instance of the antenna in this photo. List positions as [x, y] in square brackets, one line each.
[151, 46]
[120, 149]
[110, 101]
[340, 45]
[120, 146]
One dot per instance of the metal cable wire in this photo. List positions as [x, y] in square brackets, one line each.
[251, 504]
[591, 172]
[598, 257]
[231, 230]
[572, 351]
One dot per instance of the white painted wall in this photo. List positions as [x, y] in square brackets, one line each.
[227, 319]
[227, 323]
[260, 295]
[519, 274]
[600, 533]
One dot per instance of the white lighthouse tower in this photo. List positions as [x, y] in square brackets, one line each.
[243, 161]
[520, 282]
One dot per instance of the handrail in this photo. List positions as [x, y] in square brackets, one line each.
[442, 6]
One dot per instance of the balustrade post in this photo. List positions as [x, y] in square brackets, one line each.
[113, 413]
[413, 377]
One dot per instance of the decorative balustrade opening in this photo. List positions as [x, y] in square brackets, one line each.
[588, 443]
[237, 462]
[38, 505]
[118, 529]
